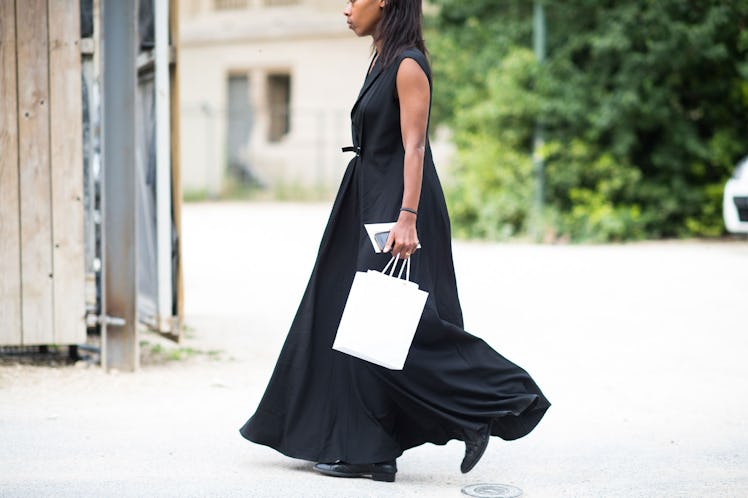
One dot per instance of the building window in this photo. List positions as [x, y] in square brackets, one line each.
[240, 119]
[279, 103]
[230, 4]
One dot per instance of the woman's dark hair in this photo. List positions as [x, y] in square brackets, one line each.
[399, 29]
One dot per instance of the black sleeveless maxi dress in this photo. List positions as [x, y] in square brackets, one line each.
[323, 405]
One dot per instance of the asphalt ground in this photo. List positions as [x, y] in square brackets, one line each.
[640, 347]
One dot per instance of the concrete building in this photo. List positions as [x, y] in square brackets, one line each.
[266, 91]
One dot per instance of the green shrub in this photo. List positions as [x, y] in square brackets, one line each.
[643, 106]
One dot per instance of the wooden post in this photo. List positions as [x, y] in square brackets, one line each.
[176, 177]
[65, 100]
[10, 243]
[33, 155]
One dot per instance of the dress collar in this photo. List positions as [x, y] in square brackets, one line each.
[374, 73]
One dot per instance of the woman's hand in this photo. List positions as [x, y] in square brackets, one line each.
[403, 239]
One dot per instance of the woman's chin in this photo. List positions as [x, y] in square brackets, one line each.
[358, 32]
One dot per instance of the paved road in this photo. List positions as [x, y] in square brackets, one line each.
[641, 348]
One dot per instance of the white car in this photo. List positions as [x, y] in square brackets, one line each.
[735, 199]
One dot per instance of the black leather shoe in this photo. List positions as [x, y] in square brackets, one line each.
[475, 446]
[384, 471]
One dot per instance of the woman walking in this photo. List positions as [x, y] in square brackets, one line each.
[352, 417]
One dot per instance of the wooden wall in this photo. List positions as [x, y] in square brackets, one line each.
[41, 174]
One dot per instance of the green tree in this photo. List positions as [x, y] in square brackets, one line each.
[644, 106]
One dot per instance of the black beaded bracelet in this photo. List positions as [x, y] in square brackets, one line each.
[409, 210]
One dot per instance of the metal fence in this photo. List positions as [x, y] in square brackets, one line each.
[221, 146]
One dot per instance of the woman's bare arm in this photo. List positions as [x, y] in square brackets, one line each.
[414, 94]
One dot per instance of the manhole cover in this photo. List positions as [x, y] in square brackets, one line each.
[492, 491]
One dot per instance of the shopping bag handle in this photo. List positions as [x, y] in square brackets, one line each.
[405, 265]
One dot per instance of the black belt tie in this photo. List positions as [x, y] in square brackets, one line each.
[353, 148]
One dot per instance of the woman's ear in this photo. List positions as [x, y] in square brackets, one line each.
[382, 3]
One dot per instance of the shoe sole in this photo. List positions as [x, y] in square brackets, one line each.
[378, 476]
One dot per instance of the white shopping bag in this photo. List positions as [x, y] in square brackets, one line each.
[381, 316]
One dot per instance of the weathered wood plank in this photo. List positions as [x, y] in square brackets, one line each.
[33, 149]
[66, 146]
[10, 262]
[176, 169]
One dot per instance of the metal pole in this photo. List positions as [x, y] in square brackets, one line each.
[539, 140]
[163, 165]
[119, 82]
